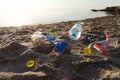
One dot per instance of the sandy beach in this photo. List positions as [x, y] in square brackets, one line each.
[16, 49]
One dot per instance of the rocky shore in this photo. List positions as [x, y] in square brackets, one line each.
[115, 10]
[16, 49]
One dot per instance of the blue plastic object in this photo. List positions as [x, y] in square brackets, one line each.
[59, 46]
[49, 38]
[86, 37]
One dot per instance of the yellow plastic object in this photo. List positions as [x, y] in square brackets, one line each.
[87, 51]
[30, 63]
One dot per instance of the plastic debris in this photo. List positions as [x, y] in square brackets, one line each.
[37, 38]
[107, 36]
[59, 46]
[109, 44]
[100, 48]
[103, 46]
[30, 64]
[87, 51]
[50, 38]
[75, 32]
[89, 38]
[37, 35]
[86, 37]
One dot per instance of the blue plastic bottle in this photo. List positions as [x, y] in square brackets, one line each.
[75, 32]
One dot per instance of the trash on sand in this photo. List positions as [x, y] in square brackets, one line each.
[106, 35]
[100, 48]
[59, 46]
[37, 35]
[50, 38]
[86, 37]
[103, 46]
[109, 44]
[30, 63]
[37, 38]
[87, 51]
[89, 38]
[75, 32]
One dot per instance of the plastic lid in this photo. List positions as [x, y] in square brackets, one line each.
[87, 51]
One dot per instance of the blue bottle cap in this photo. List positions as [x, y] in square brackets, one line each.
[86, 37]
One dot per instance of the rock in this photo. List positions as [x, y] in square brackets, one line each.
[112, 10]
[94, 10]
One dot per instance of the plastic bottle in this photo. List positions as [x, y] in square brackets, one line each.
[75, 32]
[37, 35]
[37, 38]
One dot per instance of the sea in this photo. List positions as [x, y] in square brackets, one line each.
[48, 17]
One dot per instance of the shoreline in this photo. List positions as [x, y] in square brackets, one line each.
[55, 22]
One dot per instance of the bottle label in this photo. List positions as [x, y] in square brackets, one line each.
[75, 30]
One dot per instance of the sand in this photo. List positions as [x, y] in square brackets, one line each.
[16, 48]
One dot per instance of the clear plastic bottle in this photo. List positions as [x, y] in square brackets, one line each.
[37, 38]
[37, 34]
[75, 32]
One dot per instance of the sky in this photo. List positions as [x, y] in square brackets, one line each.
[19, 11]
[57, 4]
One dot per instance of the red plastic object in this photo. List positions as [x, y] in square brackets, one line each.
[100, 48]
[107, 36]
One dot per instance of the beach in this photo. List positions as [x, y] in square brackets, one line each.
[16, 48]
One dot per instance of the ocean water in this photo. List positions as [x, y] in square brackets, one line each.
[67, 15]
[47, 17]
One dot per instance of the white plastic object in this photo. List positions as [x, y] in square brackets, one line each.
[37, 35]
[38, 38]
[109, 44]
[75, 32]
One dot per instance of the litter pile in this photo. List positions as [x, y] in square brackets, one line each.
[61, 51]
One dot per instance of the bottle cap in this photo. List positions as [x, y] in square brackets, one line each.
[87, 51]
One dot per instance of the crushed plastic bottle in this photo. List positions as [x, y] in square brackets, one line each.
[75, 32]
[37, 38]
[37, 35]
